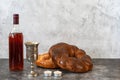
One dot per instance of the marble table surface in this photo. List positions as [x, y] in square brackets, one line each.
[104, 69]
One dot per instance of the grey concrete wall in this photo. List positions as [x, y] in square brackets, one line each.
[93, 25]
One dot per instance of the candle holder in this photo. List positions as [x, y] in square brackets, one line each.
[32, 56]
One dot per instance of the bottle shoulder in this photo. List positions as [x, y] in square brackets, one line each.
[16, 34]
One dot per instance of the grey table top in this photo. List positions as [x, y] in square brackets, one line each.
[104, 69]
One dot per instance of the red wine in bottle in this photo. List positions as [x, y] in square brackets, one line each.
[16, 62]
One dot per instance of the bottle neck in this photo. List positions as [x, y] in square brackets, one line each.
[15, 24]
[15, 29]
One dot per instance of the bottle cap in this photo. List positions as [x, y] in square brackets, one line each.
[15, 18]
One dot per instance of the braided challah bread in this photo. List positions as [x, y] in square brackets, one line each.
[45, 61]
[69, 57]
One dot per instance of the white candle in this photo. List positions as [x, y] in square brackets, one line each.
[57, 73]
[47, 73]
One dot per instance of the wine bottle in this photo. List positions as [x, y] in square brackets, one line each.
[16, 62]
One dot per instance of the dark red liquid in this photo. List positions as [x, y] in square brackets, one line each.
[16, 51]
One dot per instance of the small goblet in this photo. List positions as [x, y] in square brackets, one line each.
[32, 56]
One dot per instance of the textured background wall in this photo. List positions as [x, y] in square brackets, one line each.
[93, 25]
